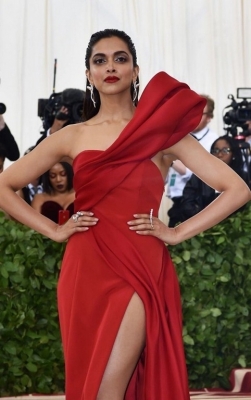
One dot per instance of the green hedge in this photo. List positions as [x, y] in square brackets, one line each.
[215, 278]
[30, 352]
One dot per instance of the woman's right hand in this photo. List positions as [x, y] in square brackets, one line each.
[79, 222]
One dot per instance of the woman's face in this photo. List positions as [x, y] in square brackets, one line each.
[58, 178]
[111, 66]
[223, 151]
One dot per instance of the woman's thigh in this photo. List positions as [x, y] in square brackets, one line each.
[125, 353]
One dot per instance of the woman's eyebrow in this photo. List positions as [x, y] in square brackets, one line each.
[115, 54]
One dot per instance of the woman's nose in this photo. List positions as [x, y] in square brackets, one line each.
[111, 69]
[110, 66]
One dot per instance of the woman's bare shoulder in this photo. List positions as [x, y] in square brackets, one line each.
[74, 137]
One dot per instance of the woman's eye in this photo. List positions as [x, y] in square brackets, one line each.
[99, 61]
[121, 59]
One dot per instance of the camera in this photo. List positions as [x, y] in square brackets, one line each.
[239, 114]
[2, 108]
[49, 109]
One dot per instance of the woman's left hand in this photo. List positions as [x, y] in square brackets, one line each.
[146, 224]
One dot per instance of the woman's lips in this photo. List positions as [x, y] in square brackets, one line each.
[111, 79]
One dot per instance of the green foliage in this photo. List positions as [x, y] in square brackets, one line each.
[215, 279]
[30, 352]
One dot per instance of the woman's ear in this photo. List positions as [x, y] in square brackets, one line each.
[135, 72]
[88, 76]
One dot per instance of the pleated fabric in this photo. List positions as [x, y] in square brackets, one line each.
[104, 266]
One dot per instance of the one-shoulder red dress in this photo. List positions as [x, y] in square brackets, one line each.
[104, 266]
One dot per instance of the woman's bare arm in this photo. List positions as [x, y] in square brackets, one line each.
[215, 173]
[25, 170]
[37, 202]
[179, 167]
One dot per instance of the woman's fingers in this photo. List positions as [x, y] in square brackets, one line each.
[79, 222]
[84, 218]
[142, 222]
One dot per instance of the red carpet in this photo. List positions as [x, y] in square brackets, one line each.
[240, 380]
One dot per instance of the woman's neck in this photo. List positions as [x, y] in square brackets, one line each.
[115, 109]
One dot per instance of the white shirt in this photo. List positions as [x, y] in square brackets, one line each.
[176, 181]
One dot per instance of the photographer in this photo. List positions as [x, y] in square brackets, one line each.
[60, 110]
[8, 141]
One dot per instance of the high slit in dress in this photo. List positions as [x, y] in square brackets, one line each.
[104, 266]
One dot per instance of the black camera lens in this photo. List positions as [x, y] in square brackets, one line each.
[2, 108]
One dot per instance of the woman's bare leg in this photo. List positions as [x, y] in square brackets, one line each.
[125, 353]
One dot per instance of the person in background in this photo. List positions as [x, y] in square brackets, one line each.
[179, 174]
[69, 113]
[7, 141]
[58, 194]
[197, 195]
[203, 133]
[28, 192]
[118, 294]
[2, 157]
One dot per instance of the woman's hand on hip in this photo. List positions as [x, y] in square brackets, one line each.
[79, 222]
[148, 225]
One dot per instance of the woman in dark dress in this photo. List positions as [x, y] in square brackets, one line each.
[197, 194]
[58, 194]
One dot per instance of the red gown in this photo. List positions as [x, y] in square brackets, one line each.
[104, 266]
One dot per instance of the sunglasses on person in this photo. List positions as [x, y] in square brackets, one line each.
[224, 150]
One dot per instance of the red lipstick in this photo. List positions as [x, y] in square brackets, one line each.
[111, 79]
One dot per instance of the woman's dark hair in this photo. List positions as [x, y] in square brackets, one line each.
[236, 162]
[46, 178]
[89, 110]
[2, 152]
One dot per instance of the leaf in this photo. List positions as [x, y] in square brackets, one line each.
[242, 361]
[186, 255]
[220, 240]
[224, 278]
[4, 272]
[10, 348]
[188, 340]
[31, 367]
[205, 313]
[216, 312]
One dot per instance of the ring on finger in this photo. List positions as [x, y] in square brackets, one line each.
[76, 216]
[151, 219]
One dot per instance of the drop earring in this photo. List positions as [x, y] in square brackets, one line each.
[90, 87]
[135, 91]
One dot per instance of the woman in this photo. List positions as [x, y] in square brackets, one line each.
[58, 194]
[197, 194]
[118, 295]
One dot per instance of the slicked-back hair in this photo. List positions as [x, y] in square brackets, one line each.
[89, 110]
[2, 152]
